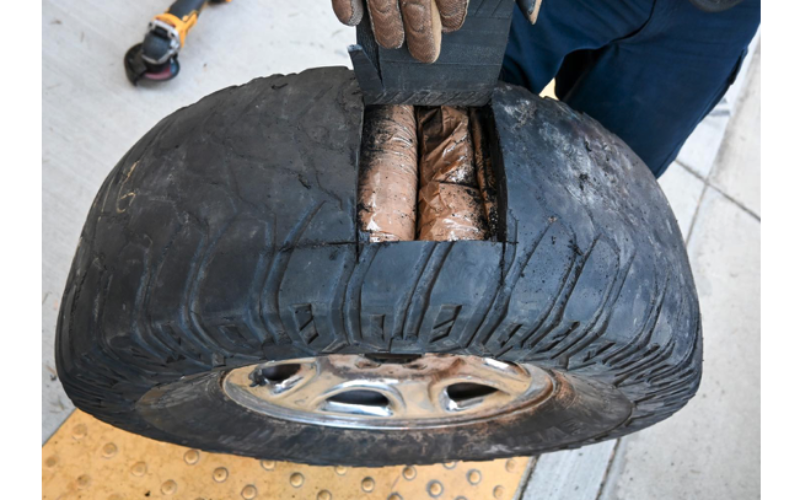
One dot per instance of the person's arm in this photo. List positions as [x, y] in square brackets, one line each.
[420, 23]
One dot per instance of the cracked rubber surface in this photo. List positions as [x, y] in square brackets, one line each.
[227, 236]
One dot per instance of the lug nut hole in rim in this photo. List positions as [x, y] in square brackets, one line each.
[360, 397]
[273, 374]
[464, 391]
[381, 391]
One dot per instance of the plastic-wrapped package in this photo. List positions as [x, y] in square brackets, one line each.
[388, 174]
[450, 204]
[445, 146]
[450, 212]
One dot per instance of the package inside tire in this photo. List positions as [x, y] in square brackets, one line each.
[423, 177]
[246, 282]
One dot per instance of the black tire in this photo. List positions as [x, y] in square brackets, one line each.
[228, 236]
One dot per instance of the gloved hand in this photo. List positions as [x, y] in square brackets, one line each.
[420, 23]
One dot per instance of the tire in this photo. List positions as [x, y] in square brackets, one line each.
[227, 237]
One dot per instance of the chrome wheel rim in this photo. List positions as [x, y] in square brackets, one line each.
[388, 391]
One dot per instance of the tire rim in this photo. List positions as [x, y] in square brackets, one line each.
[388, 391]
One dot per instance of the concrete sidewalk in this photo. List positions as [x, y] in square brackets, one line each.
[92, 116]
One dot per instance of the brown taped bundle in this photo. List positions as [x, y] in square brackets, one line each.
[445, 146]
[388, 178]
[450, 212]
[484, 171]
[450, 205]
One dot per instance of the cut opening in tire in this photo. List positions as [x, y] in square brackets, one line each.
[428, 174]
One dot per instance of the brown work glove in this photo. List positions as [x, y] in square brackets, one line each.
[418, 22]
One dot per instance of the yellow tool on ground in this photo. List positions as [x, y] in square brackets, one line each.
[156, 58]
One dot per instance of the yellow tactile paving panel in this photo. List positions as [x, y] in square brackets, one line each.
[89, 460]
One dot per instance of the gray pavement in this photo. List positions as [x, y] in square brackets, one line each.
[92, 116]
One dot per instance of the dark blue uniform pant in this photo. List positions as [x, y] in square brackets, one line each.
[648, 70]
